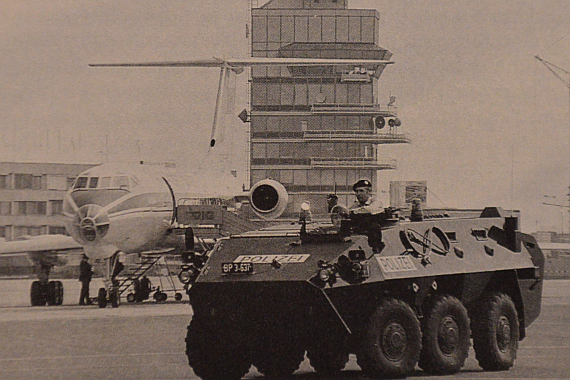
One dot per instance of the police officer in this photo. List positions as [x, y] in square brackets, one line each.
[85, 274]
[365, 203]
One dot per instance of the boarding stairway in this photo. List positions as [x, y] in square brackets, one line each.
[207, 222]
[134, 272]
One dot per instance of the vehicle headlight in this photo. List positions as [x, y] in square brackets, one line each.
[325, 275]
[185, 276]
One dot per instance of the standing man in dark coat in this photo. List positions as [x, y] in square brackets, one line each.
[85, 274]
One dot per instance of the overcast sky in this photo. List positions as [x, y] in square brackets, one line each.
[490, 124]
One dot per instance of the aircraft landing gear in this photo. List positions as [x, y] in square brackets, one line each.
[50, 293]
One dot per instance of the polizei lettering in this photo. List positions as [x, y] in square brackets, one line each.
[396, 263]
[268, 259]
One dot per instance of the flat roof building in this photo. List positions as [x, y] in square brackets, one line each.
[317, 130]
[31, 197]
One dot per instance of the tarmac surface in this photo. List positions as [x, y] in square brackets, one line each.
[146, 341]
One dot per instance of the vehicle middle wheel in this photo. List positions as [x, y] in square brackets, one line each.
[391, 341]
[446, 337]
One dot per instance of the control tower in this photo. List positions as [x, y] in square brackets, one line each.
[317, 130]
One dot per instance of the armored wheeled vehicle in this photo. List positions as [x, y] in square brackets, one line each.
[396, 293]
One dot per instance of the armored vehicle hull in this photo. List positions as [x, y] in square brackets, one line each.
[395, 294]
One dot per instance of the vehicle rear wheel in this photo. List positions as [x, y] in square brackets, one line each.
[102, 298]
[37, 296]
[327, 361]
[391, 342]
[210, 356]
[446, 337]
[496, 332]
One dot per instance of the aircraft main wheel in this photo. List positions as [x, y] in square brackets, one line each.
[37, 296]
[102, 298]
[211, 353]
[178, 296]
[496, 332]
[114, 298]
[131, 297]
[391, 341]
[446, 337]
[58, 293]
[327, 361]
[50, 293]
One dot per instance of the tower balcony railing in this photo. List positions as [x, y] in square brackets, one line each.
[391, 137]
[354, 162]
[325, 162]
[353, 108]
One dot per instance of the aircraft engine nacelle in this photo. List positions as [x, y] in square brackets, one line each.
[268, 198]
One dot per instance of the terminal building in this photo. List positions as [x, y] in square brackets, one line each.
[31, 197]
[317, 130]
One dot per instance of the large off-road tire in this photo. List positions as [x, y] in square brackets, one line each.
[391, 342]
[328, 361]
[102, 298]
[495, 332]
[37, 296]
[446, 337]
[280, 359]
[211, 356]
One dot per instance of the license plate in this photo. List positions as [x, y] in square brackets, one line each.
[237, 268]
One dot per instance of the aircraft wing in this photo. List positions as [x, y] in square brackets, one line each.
[251, 61]
[40, 243]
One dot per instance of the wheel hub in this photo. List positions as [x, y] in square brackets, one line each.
[394, 341]
[504, 334]
[448, 336]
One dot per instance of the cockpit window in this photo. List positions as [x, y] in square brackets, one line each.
[105, 182]
[80, 183]
[93, 182]
[121, 182]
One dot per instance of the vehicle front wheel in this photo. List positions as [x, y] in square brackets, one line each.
[391, 342]
[212, 357]
[496, 332]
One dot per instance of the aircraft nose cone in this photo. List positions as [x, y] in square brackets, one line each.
[91, 222]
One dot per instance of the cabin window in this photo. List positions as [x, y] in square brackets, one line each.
[121, 182]
[93, 182]
[105, 182]
[80, 183]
